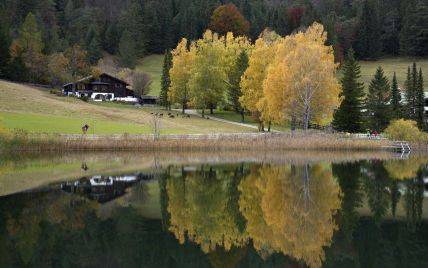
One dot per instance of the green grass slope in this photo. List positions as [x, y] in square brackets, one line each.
[391, 65]
[152, 65]
[36, 110]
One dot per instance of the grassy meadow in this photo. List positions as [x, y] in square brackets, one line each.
[152, 65]
[36, 110]
[391, 65]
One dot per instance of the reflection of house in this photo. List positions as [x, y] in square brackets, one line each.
[102, 88]
[102, 188]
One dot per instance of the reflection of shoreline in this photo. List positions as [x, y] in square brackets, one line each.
[26, 171]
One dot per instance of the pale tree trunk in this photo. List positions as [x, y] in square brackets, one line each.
[306, 189]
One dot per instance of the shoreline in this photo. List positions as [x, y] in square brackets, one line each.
[297, 141]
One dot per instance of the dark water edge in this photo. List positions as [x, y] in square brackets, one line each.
[259, 209]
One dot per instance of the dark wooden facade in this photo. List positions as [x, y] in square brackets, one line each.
[105, 85]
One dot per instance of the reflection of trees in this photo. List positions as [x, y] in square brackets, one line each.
[377, 185]
[201, 210]
[413, 198]
[404, 169]
[349, 177]
[53, 208]
[290, 210]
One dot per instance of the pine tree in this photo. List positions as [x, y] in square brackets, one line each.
[111, 39]
[410, 96]
[420, 97]
[166, 80]
[234, 92]
[378, 98]
[395, 99]
[368, 43]
[349, 117]
[92, 45]
[414, 37]
[128, 50]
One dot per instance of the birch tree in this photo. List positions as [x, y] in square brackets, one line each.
[301, 80]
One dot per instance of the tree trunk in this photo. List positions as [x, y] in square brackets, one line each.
[293, 123]
[242, 116]
[306, 117]
[203, 112]
[306, 189]
[184, 107]
[269, 125]
[211, 108]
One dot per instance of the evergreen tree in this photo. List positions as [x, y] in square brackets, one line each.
[92, 45]
[420, 98]
[166, 80]
[390, 33]
[349, 117]
[368, 43]
[4, 50]
[111, 38]
[410, 96]
[235, 75]
[128, 51]
[395, 99]
[134, 27]
[378, 98]
[414, 36]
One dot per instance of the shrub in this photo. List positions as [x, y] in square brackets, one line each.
[405, 130]
[84, 98]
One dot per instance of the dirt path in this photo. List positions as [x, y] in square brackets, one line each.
[211, 117]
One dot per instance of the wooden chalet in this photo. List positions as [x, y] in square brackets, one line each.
[102, 88]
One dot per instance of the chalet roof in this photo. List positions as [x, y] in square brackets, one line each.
[91, 76]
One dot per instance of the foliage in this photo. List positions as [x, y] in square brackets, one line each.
[227, 18]
[58, 69]
[290, 209]
[234, 91]
[349, 116]
[367, 44]
[180, 74]
[415, 97]
[128, 50]
[301, 82]
[165, 79]
[78, 65]
[29, 46]
[404, 130]
[253, 77]
[396, 107]
[378, 99]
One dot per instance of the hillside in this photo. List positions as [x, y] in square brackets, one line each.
[391, 65]
[36, 110]
[152, 65]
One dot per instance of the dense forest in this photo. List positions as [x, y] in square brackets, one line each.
[37, 36]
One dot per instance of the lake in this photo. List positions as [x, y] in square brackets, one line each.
[217, 209]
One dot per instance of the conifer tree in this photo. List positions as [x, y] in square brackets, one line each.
[410, 96]
[166, 80]
[378, 98]
[234, 92]
[349, 117]
[368, 43]
[128, 51]
[420, 96]
[395, 99]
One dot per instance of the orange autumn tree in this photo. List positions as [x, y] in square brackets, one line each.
[301, 80]
[227, 18]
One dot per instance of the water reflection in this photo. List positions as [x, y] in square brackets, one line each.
[367, 213]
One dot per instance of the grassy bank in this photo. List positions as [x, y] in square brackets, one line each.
[34, 110]
[152, 65]
[196, 142]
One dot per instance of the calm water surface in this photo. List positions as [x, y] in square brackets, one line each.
[214, 210]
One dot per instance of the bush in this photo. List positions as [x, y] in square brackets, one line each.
[404, 130]
[84, 98]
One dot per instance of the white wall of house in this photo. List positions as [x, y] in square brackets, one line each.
[98, 96]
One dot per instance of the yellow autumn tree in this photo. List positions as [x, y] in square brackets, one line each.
[290, 209]
[180, 73]
[252, 80]
[301, 80]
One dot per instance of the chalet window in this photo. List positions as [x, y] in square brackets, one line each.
[95, 87]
